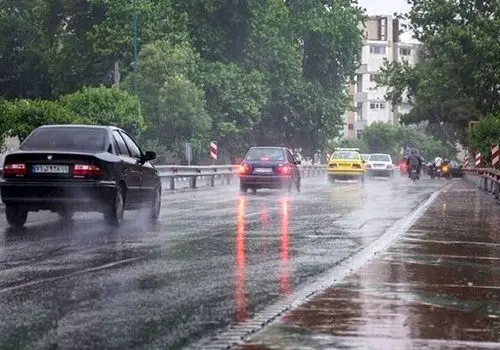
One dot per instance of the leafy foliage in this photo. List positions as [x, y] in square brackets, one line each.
[484, 134]
[106, 106]
[457, 80]
[22, 116]
[238, 72]
[391, 139]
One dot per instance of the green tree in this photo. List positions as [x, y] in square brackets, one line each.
[391, 139]
[106, 106]
[23, 116]
[24, 69]
[174, 104]
[484, 134]
[457, 79]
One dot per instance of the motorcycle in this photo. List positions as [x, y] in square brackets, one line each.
[445, 171]
[432, 170]
[413, 174]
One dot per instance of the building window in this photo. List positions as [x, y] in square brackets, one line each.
[404, 51]
[359, 134]
[377, 105]
[373, 77]
[377, 49]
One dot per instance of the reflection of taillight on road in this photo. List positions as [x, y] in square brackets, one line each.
[18, 169]
[244, 169]
[285, 169]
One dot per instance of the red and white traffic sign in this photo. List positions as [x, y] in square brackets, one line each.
[213, 150]
[495, 155]
[466, 160]
[478, 159]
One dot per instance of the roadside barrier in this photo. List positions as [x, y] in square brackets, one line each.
[486, 179]
[174, 176]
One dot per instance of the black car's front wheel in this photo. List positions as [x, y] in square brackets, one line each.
[15, 215]
[115, 210]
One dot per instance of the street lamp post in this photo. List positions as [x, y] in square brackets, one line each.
[136, 39]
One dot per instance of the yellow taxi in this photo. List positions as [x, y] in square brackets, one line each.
[346, 163]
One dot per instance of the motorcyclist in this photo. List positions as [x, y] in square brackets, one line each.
[414, 161]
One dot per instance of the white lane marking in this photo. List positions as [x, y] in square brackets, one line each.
[69, 275]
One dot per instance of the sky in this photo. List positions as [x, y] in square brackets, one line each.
[387, 7]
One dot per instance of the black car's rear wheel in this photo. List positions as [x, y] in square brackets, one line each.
[66, 214]
[115, 210]
[243, 188]
[156, 204]
[16, 216]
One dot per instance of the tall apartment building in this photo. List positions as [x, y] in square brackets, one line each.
[381, 41]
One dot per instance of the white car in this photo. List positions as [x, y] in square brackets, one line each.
[379, 164]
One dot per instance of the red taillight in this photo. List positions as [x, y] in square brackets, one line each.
[389, 166]
[368, 166]
[17, 169]
[244, 169]
[86, 171]
[285, 169]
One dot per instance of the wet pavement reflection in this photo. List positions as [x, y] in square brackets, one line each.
[214, 258]
[438, 287]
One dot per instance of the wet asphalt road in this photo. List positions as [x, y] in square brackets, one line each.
[215, 257]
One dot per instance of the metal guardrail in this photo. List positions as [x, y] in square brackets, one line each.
[173, 175]
[486, 179]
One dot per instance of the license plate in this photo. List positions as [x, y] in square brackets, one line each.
[263, 170]
[50, 169]
[379, 165]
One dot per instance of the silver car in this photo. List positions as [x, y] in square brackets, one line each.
[379, 164]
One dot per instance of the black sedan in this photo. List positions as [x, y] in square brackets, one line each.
[70, 168]
[269, 167]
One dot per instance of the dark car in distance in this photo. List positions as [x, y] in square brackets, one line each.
[269, 167]
[70, 168]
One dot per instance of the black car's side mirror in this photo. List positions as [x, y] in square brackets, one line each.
[149, 155]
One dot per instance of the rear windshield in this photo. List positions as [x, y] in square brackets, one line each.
[346, 155]
[276, 154]
[67, 139]
[380, 158]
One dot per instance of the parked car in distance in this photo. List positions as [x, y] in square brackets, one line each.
[380, 164]
[71, 168]
[270, 168]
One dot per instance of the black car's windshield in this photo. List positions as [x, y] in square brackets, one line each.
[380, 158]
[67, 139]
[275, 154]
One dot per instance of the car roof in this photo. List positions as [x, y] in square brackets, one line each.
[281, 147]
[88, 126]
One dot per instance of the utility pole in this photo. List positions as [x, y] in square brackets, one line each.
[136, 39]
